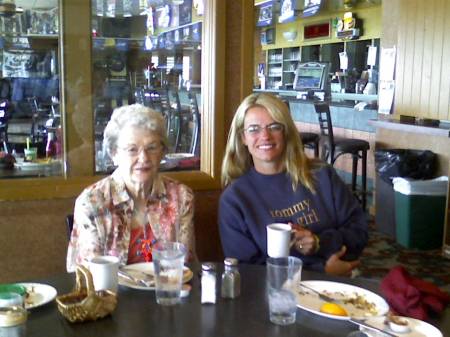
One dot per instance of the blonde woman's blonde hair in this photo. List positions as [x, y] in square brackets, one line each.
[237, 159]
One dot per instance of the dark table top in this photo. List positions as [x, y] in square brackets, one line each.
[138, 315]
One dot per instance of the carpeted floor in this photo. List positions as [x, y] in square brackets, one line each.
[383, 253]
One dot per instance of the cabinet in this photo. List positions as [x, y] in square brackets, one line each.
[282, 62]
[274, 68]
[281, 66]
[291, 59]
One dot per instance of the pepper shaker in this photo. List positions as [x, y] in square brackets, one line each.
[208, 283]
[231, 279]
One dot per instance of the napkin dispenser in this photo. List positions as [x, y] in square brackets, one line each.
[84, 303]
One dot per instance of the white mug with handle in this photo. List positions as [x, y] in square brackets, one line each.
[278, 239]
[104, 270]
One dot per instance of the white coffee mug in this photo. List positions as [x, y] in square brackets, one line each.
[278, 239]
[104, 270]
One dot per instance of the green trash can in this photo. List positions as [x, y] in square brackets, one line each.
[420, 207]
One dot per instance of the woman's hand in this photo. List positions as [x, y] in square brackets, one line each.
[304, 240]
[338, 267]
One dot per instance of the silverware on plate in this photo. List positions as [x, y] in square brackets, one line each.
[146, 280]
[321, 295]
[370, 326]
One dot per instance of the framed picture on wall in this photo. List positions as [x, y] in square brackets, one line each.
[185, 12]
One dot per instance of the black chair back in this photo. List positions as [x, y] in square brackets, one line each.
[326, 127]
[195, 138]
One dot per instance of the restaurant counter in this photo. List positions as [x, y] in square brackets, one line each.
[137, 313]
[345, 112]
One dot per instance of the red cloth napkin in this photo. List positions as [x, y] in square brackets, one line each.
[412, 297]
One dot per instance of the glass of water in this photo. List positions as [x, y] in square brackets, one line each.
[283, 278]
[168, 260]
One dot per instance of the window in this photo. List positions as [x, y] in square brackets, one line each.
[149, 57]
[84, 104]
[31, 139]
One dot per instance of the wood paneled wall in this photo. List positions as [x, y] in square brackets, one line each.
[423, 55]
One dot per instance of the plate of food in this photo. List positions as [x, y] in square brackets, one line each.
[167, 164]
[38, 294]
[39, 164]
[178, 156]
[351, 301]
[406, 327]
[142, 276]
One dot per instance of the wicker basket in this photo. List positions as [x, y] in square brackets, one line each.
[84, 303]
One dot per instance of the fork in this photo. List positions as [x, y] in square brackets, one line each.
[322, 296]
[137, 281]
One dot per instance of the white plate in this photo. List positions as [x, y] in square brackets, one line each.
[178, 156]
[37, 165]
[38, 294]
[309, 301]
[167, 164]
[417, 327]
[147, 267]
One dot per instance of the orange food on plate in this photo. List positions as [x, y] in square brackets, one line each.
[333, 309]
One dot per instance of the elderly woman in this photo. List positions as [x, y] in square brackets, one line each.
[125, 213]
[269, 179]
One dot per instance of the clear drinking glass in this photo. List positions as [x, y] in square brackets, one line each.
[168, 259]
[283, 278]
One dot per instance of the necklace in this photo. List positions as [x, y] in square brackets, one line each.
[145, 246]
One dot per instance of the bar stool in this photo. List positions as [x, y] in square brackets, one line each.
[333, 147]
[311, 141]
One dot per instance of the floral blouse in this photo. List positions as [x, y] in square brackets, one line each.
[103, 214]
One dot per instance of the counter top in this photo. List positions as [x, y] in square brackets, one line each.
[443, 130]
[337, 99]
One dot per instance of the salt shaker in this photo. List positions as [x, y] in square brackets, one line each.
[208, 283]
[231, 279]
[12, 321]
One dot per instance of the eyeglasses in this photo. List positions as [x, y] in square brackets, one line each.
[271, 128]
[133, 151]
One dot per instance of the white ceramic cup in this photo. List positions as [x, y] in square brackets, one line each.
[278, 239]
[104, 270]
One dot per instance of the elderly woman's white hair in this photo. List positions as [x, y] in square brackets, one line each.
[135, 115]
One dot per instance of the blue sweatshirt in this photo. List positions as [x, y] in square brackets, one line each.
[255, 200]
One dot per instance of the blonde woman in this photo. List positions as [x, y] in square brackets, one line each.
[269, 179]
